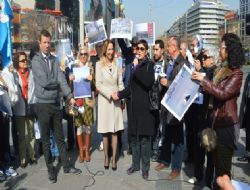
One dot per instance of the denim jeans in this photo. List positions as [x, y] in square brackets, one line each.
[53, 147]
[177, 156]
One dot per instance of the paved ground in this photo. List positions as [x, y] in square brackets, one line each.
[94, 177]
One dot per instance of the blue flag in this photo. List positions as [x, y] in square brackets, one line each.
[5, 33]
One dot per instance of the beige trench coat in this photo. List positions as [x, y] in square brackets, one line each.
[109, 118]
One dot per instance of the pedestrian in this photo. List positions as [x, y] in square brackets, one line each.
[110, 119]
[142, 126]
[24, 109]
[49, 80]
[225, 89]
[83, 122]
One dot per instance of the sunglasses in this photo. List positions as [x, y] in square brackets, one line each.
[140, 48]
[81, 54]
[23, 60]
[205, 57]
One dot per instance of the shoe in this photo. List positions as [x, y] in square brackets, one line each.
[161, 166]
[72, 170]
[192, 180]
[244, 159]
[173, 175]
[52, 175]
[131, 170]
[10, 172]
[2, 176]
[114, 168]
[33, 162]
[154, 158]
[145, 175]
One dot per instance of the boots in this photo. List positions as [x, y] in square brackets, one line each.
[87, 143]
[81, 148]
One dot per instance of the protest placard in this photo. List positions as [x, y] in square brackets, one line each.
[146, 31]
[82, 87]
[181, 93]
[121, 28]
[95, 31]
[64, 54]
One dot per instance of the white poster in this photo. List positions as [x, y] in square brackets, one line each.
[121, 28]
[181, 93]
[82, 87]
[64, 54]
[146, 31]
[95, 31]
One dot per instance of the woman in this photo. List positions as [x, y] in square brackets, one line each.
[225, 89]
[110, 120]
[23, 109]
[142, 120]
[84, 121]
[209, 61]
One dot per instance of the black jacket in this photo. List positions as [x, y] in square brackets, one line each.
[141, 121]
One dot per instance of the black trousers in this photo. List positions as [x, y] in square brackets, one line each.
[50, 117]
[71, 128]
[141, 151]
[246, 120]
[4, 138]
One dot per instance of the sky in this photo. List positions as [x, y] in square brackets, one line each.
[162, 12]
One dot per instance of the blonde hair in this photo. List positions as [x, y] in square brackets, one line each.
[85, 49]
[103, 59]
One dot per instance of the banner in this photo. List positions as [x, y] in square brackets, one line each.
[95, 31]
[121, 28]
[64, 54]
[146, 31]
[82, 87]
[181, 93]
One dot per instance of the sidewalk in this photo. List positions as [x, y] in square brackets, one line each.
[36, 177]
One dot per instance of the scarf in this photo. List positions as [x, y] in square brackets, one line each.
[220, 74]
[24, 74]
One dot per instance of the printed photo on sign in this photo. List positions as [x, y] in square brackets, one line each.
[181, 93]
[64, 54]
[82, 87]
[121, 28]
[95, 31]
[146, 31]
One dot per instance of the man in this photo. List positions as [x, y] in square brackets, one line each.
[174, 128]
[49, 80]
[129, 54]
[160, 67]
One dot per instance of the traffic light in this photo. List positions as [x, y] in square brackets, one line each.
[248, 24]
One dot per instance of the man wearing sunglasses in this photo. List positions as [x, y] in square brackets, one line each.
[49, 82]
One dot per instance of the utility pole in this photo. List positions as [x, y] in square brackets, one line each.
[81, 22]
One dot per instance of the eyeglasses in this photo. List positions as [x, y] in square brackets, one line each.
[85, 54]
[23, 60]
[205, 57]
[140, 48]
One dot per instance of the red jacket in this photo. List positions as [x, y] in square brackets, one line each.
[225, 98]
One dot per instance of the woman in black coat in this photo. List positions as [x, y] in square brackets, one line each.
[142, 120]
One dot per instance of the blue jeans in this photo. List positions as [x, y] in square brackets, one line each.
[53, 147]
[177, 157]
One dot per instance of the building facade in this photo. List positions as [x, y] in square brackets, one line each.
[244, 10]
[204, 17]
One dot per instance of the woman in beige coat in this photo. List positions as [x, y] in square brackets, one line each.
[109, 80]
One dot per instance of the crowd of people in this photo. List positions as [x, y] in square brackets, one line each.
[41, 95]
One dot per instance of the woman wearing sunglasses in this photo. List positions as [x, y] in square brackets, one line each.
[224, 89]
[142, 120]
[84, 122]
[24, 109]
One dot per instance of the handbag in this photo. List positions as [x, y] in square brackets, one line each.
[209, 137]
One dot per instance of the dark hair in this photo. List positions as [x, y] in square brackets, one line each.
[160, 42]
[44, 33]
[16, 58]
[234, 50]
[143, 42]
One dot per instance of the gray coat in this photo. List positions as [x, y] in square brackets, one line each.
[48, 83]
